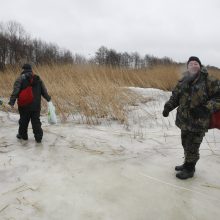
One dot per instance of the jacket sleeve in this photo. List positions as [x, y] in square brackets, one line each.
[44, 92]
[15, 92]
[173, 102]
[213, 90]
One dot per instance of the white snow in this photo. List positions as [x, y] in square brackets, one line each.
[109, 171]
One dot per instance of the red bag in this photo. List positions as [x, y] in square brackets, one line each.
[26, 96]
[215, 120]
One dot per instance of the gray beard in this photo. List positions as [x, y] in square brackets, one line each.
[188, 77]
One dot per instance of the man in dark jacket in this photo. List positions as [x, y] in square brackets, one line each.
[197, 96]
[30, 111]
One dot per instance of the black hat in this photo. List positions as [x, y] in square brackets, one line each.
[194, 59]
[27, 66]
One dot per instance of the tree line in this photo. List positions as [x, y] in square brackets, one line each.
[17, 47]
[111, 57]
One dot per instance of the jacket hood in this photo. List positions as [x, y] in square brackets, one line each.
[26, 74]
[29, 75]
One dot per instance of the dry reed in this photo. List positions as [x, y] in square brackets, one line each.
[95, 92]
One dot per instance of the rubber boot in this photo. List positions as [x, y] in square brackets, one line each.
[187, 172]
[18, 136]
[180, 167]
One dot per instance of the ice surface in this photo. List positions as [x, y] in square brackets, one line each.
[105, 172]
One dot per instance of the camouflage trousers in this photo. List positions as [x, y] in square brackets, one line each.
[191, 142]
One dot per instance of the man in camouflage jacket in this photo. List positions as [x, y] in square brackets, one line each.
[30, 112]
[197, 96]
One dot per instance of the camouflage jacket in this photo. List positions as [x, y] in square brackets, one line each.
[204, 93]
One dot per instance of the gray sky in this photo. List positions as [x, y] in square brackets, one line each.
[173, 28]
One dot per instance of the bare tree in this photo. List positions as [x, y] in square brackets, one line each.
[17, 47]
[100, 55]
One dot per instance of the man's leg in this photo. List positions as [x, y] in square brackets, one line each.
[23, 124]
[185, 140]
[192, 143]
[36, 125]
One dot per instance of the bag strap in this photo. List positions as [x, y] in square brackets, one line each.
[31, 79]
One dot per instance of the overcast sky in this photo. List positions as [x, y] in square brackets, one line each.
[173, 28]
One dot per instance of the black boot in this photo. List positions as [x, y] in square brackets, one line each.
[180, 168]
[38, 140]
[18, 136]
[187, 172]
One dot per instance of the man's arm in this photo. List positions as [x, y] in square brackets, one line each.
[44, 91]
[173, 102]
[213, 89]
[15, 92]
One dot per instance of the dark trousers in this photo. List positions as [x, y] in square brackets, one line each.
[191, 142]
[25, 117]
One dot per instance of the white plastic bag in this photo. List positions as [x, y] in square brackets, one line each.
[52, 118]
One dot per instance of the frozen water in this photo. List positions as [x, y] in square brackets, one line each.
[107, 172]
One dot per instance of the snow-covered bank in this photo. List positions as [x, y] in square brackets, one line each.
[108, 171]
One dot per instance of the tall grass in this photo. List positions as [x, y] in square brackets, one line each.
[94, 92]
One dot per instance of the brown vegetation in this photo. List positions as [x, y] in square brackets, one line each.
[96, 92]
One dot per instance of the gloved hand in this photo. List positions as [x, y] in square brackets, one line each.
[200, 112]
[166, 112]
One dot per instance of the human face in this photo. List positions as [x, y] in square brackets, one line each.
[193, 67]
